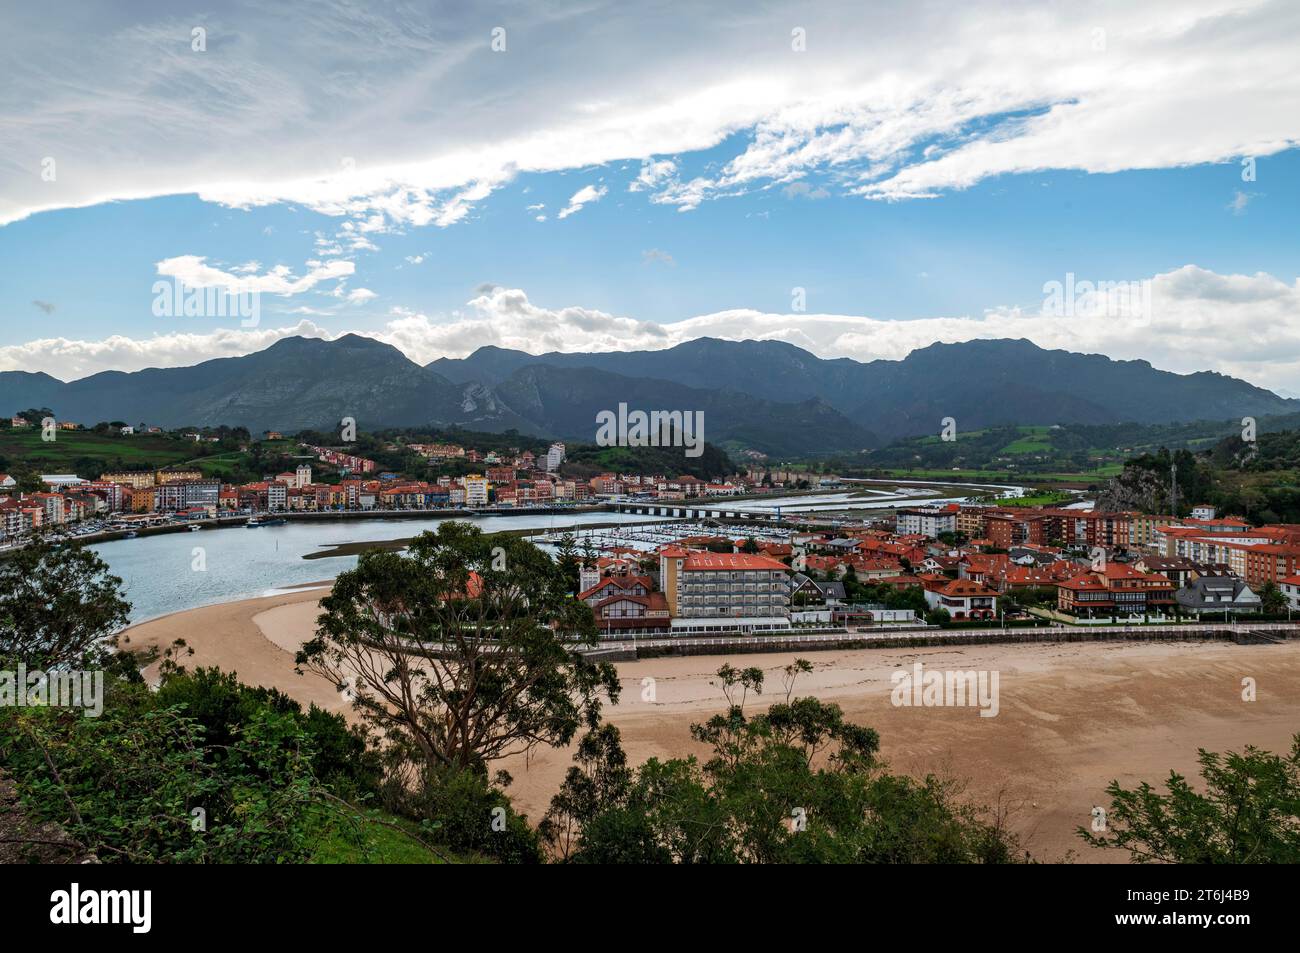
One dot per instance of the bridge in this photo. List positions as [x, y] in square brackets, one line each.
[677, 510]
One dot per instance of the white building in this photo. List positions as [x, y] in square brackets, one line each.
[56, 481]
[724, 592]
[554, 457]
[277, 495]
[1203, 512]
[476, 491]
[303, 475]
[1290, 587]
[926, 521]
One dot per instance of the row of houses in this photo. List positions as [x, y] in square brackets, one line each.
[1097, 581]
[516, 459]
[1257, 555]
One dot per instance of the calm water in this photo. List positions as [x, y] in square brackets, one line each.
[159, 572]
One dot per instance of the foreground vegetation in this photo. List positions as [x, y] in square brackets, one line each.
[450, 668]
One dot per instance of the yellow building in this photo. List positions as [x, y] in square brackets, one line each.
[476, 490]
[178, 476]
[1144, 531]
[136, 479]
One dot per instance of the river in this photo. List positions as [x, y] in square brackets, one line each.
[170, 572]
[174, 571]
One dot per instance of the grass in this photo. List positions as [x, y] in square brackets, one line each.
[373, 840]
[221, 466]
[88, 454]
[1027, 445]
[70, 446]
[1048, 498]
[1006, 476]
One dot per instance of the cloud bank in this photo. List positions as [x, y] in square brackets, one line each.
[1185, 320]
[408, 116]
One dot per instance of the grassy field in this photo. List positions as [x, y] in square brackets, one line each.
[1007, 476]
[221, 466]
[70, 446]
[1049, 498]
[1031, 440]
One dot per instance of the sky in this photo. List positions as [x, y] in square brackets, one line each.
[858, 179]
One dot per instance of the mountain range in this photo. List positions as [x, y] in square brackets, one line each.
[763, 395]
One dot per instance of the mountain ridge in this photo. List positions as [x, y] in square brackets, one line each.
[769, 396]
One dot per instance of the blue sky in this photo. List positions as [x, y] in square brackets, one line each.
[992, 245]
[385, 173]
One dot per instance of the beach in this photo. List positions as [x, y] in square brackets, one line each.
[1071, 716]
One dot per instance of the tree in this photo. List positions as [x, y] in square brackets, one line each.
[1249, 813]
[59, 607]
[795, 784]
[938, 616]
[750, 545]
[599, 779]
[133, 785]
[34, 415]
[223, 707]
[1272, 601]
[566, 554]
[463, 650]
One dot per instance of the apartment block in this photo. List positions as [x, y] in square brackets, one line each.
[707, 590]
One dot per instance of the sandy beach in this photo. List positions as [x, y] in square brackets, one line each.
[1072, 716]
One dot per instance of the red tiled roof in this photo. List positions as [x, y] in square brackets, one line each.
[622, 583]
[965, 588]
[729, 561]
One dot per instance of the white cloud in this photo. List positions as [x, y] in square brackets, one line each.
[1239, 202]
[797, 190]
[403, 117]
[194, 272]
[584, 196]
[1241, 325]
[653, 174]
[71, 359]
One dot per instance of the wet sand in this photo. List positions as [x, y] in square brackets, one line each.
[1072, 716]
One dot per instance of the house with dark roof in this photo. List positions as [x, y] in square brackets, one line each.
[815, 590]
[1213, 594]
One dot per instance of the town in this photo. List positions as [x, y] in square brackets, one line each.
[955, 564]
